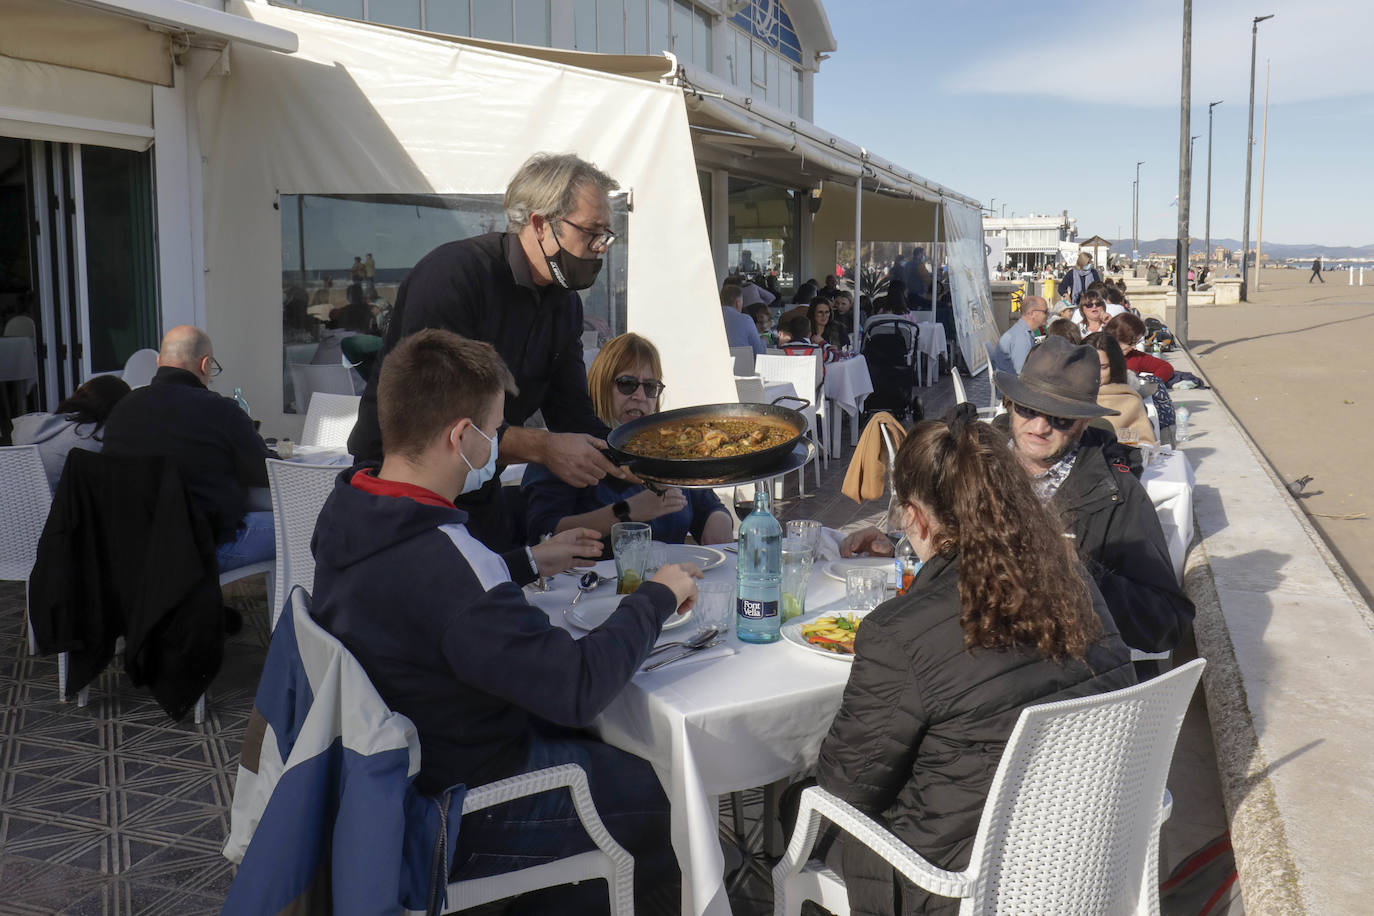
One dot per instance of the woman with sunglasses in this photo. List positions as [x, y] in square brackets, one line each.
[1001, 616]
[625, 382]
[1091, 316]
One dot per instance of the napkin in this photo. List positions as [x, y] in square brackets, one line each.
[828, 545]
[724, 650]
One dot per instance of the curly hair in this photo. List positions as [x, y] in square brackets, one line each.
[1019, 579]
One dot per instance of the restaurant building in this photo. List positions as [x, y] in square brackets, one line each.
[243, 166]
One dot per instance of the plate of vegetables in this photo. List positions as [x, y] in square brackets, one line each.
[829, 633]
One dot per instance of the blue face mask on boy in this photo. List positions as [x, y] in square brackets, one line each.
[477, 477]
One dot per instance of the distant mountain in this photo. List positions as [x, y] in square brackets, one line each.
[1271, 249]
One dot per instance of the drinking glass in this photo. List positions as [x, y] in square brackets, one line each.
[630, 542]
[797, 558]
[658, 555]
[715, 605]
[808, 529]
[864, 588]
[1127, 435]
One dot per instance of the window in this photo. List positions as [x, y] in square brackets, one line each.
[532, 22]
[395, 12]
[492, 20]
[637, 26]
[610, 26]
[765, 230]
[452, 17]
[701, 40]
[353, 9]
[327, 295]
[660, 38]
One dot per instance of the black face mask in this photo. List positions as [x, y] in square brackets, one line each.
[568, 270]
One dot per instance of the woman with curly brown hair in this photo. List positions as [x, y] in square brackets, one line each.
[1000, 617]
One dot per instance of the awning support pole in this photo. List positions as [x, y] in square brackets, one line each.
[858, 260]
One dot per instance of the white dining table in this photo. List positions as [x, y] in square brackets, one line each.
[1168, 480]
[718, 726]
[847, 384]
[932, 344]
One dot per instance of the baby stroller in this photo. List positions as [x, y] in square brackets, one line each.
[889, 348]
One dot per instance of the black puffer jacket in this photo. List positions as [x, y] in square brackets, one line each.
[1120, 538]
[923, 725]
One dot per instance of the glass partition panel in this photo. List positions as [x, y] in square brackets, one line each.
[121, 254]
[344, 257]
[765, 231]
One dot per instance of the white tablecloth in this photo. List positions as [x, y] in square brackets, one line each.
[933, 345]
[19, 361]
[1169, 482]
[847, 383]
[721, 726]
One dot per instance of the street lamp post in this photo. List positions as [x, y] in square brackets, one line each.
[1185, 178]
[1208, 253]
[1135, 222]
[1249, 155]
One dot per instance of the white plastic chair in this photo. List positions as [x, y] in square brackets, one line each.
[307, 379]
[298, 494]
[609, 860]
[24, 503]
[330, 419]
[750, 390]
[806, 373]
[140, 368]
[21, 326]
[1071, 824]
[744, 360]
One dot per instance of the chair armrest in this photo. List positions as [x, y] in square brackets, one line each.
[568, 775]
[816, 803]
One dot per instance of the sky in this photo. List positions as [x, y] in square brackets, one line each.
[1048, 106]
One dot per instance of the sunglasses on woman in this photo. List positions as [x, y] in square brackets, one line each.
[1063, 424]
[626, 385]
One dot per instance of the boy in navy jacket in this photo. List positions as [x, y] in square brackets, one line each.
[450, 641]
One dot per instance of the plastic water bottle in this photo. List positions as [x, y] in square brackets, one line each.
[242, 402]
[905, 564]
[757, 617]
[1181, 417]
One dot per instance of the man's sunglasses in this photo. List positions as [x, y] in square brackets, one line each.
[1063, 424]
[626, 385]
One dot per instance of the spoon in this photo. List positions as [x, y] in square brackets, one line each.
[701, 638]
[590, 580]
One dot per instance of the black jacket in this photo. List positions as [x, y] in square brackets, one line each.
[448, 640]
[210, 440]
[1121, 541]
[481, 288]
[923, 724]
[125, 553]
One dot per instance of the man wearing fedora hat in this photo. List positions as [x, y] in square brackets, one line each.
[1087, 475]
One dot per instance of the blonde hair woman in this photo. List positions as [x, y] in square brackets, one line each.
[626, 383]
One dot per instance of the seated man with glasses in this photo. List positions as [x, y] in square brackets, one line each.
[1086, 475]
[210, 439]
[625, 383]
[518, 291]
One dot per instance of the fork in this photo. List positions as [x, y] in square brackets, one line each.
[681, 655]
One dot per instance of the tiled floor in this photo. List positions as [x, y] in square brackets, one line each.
[114, 809]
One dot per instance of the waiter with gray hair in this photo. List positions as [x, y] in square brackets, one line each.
[518, 291]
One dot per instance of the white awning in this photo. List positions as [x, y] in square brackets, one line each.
[130, 39]
[47, 102]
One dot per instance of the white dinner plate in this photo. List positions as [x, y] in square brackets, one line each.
[593, 610]
[791, 632]
[836, 569]
[705, 557]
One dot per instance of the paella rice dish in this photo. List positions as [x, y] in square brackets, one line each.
[708, 438]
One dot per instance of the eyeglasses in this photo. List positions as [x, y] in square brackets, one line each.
[1063, 424]
[626, 385]
[597, 239]
[215, 367]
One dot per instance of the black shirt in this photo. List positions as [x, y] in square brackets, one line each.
[211, 441]
[482, 289]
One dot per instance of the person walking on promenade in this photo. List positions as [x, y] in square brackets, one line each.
[1316, 270]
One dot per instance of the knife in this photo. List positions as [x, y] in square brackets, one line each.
[681, 655]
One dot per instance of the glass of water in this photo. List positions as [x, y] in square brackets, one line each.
[864, 588]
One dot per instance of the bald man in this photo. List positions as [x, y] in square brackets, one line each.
[1016, 343]
[211, 441]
